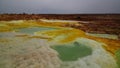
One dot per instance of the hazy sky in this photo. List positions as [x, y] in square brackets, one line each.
[60, 6]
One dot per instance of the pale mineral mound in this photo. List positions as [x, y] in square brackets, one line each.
[27, 53]
[99, 58]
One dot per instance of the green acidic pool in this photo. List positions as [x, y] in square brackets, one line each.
[118, 57]
[34, 29]
[72, 52]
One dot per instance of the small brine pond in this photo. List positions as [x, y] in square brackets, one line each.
[31, 30]
[72, 52]
[117, 53]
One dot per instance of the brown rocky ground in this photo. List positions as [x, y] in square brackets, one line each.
[92, 23]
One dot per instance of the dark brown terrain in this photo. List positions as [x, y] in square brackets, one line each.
[96, 23]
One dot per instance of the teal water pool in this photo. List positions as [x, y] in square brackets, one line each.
[71, 52]
[31, 30]
[118, 57]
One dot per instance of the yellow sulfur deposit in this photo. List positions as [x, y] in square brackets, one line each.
[41, 44]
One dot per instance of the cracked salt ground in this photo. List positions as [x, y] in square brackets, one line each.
[27, 53]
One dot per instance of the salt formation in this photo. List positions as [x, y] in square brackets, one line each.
[27, 53]
[99, 58]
